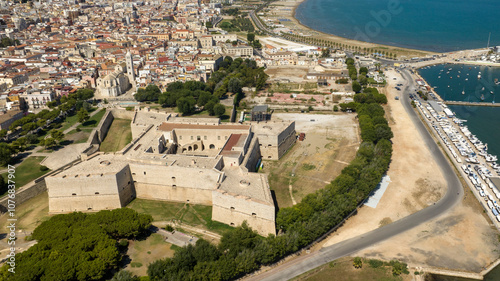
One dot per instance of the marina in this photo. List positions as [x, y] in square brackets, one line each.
[469, 154]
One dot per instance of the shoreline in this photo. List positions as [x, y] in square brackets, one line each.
[401, 51]
[301, 29]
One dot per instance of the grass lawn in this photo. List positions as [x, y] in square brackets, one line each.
[93, 121]
[343, 270]
[28, 170]
[29, 214]
[77, 137]
[194, 215]
[146, 251]
[118, 136]
[69, 121]
[73, 119]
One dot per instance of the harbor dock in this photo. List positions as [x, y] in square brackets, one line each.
[467, 103]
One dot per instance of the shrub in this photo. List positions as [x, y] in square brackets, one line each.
[44, 168]
[308, 167]
[135, 264]
[357, 262]
[399, 267]
[168, 227]
[123, 243]
[375, 263]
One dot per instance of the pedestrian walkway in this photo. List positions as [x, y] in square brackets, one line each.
[379, 192]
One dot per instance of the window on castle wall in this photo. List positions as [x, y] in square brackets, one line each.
[218, 137]
[198, 138]
[205, 137]
[232, 208]
[144, 172]
[180, 137]
[73, 194]
[231, 224]
[254, 214]
[97, 193]
[192, 137]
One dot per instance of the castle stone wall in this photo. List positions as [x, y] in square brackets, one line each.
[193, 177]
[176, 194]
[233, 210]
[90, 192]
[104, 124]
[123, 114]
[252, 157]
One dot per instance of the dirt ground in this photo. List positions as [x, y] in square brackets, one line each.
[330, 144]
[29, 215]
[460, 239]
[295, 74]
[147, 251]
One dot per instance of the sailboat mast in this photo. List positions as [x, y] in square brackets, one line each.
[489, 36]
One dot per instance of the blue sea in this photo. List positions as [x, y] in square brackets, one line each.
[432, 25]
[449, 82]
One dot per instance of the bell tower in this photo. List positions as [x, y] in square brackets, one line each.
[130, 68]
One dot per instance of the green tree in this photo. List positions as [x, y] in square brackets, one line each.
[5, 154]
[250, 37]
[363, 70]
[257, 44]
[83, 115]
[77, 246]
[219, 110]
[48, 142]
[210, 107]
[124, 275]
[57, 135]
[20, 143]
[41, 122]
[186, 105]
[234, 85]
[29, 127]
[84, 94]
[3, 133]
[356, 87]
[325, 52]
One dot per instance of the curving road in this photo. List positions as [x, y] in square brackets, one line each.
[453, 195]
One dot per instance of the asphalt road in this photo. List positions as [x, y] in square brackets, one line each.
[453, 195]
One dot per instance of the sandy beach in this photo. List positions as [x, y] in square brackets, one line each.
[284, 11]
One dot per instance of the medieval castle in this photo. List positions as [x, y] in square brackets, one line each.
[192, 160]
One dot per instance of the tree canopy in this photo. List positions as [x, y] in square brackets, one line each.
[77, 246]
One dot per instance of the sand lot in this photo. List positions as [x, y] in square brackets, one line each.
[331, 143]
[460, 239]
